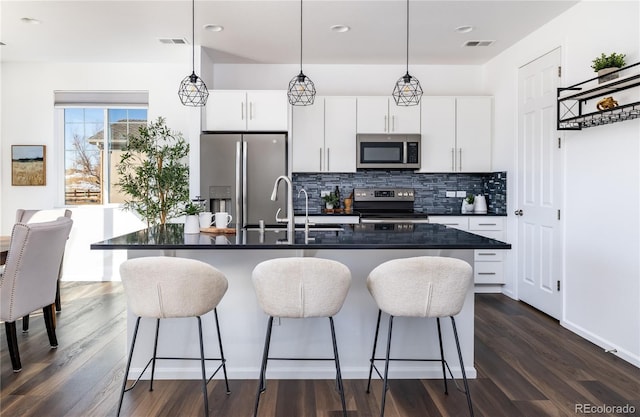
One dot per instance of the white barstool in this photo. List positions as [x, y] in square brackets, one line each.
[300, 288]
[425, 286]
[167, 287]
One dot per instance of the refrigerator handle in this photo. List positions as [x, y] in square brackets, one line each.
[244, 184]
[238, 212]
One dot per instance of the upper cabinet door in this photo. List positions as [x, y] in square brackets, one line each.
[403, 119]
[373, 115]
[438, 139]
[226, 111]
[308, 137]
[254, 110]
[382, 115]
[267, 110]
[473, 133]
[340, 134]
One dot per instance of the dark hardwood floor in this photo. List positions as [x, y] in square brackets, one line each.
[527, 366]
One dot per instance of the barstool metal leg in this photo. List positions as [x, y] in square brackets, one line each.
[444, 373]
[464, 374]
[155, 351]
[373, 353]
[205, 394]
[338, 372]
[263, 368]
[385, 385]
[126, 372]
[224, 361]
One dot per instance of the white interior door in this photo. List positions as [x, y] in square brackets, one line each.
[540, 250]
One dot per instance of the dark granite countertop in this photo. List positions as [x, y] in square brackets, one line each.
[355, 213]
[348, 236]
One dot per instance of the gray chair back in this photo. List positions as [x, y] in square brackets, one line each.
[32, 266]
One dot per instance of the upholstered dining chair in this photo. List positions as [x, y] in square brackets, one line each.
[36, 216]
[28, 279]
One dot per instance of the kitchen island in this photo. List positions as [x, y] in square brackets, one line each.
[359, 246]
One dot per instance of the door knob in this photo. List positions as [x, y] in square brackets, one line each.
[519, 212]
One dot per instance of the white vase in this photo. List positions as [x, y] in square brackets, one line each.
[191, 224]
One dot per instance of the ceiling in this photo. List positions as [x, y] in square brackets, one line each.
[266, 31]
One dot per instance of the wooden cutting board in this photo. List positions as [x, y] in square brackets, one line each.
[219, 231]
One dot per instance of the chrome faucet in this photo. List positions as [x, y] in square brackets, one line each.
[306, 209]
[290, 220]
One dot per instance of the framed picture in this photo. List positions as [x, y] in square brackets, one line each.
[28, 165]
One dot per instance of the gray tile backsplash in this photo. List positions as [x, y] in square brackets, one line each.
[430, 189]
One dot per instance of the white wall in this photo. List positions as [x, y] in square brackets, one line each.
[28, 118]
[601, 175]
[345, 80]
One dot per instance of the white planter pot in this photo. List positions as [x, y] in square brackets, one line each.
[191, 224]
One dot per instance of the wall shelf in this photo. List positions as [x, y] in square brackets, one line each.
[571, 101]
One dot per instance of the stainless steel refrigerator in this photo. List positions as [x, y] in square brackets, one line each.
[237, 173]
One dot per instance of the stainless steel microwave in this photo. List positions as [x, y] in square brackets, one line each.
[384, 151]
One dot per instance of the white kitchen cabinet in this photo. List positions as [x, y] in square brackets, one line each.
[456, 222]
[488, 265]
[382, 115]
[253, 110]
[456, 134]
[324, 136]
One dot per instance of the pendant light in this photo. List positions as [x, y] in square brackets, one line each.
[301, 92]
[407, 91]
[193, 91]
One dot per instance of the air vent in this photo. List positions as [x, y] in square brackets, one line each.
[174, 41]
[478, 43]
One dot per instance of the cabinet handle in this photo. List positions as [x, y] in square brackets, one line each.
[486, 254]
[320, 159]
[486, 273]
[393, 123]
[328, 160]
[453, 159]
[251, 110]
[385, 123]
[460, 159]
[487, 224]
[241, 111]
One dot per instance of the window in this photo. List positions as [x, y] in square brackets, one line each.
[93, 142]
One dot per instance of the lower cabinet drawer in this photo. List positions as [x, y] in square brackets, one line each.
[482, 255]
[488, 273]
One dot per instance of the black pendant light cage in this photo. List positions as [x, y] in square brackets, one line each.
[407, 91]
[302, 91]
[193, 91]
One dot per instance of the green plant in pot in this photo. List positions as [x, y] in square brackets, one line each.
[154, 174]
[331, 200]
[467, 203]
[604, 65]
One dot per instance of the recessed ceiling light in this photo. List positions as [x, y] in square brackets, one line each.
[340, 28]
[30, 20]
[464, 29]
[213, 28]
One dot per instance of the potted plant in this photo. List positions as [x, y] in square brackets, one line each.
[330, 201]
[192, 220]
[467, 203]
[154, 174]
[604, 65]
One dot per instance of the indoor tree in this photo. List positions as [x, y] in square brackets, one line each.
[153, 172]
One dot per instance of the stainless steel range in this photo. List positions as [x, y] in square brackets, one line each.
[387, 205]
